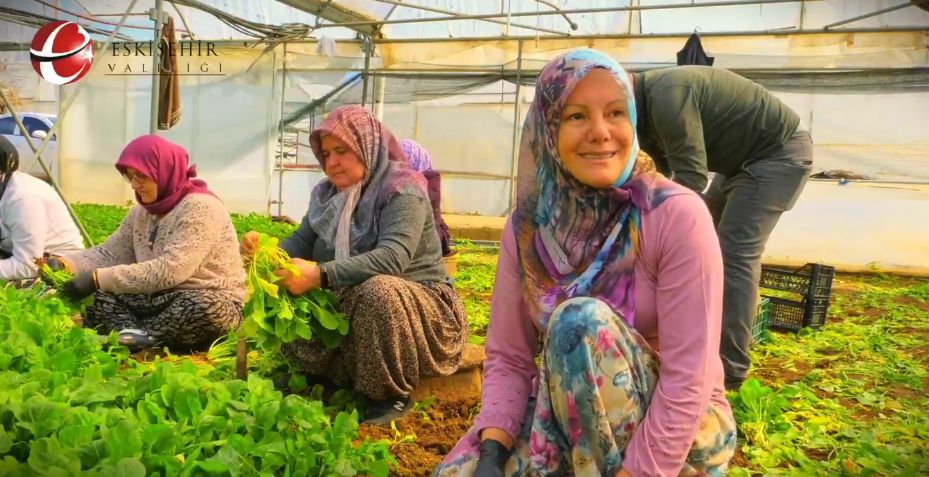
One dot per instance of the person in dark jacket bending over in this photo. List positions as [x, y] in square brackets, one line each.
[696, 119]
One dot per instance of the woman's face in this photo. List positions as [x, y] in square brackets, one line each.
[343, 167]
[595, 135]
[142, 185]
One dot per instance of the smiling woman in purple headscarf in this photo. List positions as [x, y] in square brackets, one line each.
[171, 274]
[613, 275]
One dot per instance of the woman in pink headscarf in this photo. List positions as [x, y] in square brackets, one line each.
[369, 235]
[171, 274]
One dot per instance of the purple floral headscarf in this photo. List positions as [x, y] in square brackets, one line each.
[576, 240]
[348, 219]
[416, 155]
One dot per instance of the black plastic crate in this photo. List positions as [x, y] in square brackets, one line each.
[811, 282]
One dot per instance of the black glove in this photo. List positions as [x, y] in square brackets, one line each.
[492, 460]
[81, 286]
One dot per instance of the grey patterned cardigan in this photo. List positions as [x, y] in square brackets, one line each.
[193, 247]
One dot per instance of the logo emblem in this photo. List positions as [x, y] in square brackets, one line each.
[61, 52]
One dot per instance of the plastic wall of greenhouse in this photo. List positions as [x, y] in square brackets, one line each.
[227, 126]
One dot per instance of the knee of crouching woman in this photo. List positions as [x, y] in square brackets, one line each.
[575, 321]
[378, 294]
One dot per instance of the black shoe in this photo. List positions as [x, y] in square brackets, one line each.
[382, 413]
[136, 339]
[734, 384]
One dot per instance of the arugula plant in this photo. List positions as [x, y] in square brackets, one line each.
[261, 223]
[854, 392]
[759, 411]
[58, 278]
[70, 408]
[274, 317]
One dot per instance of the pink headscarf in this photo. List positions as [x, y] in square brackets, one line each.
[165, 163]
[348, 220]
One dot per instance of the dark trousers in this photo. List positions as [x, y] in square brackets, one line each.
[745, 209]
[179, 319]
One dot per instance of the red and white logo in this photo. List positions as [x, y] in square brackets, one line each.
[62, 52]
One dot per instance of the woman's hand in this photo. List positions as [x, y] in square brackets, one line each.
[498, 435]
[81, 286]
[492, 459]
[57, 263]
[249, 244]
[496, 447]
[305, 279]
[623, 473]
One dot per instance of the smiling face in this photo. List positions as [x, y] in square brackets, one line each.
[595, 135]
[343, 167]
[142, 185]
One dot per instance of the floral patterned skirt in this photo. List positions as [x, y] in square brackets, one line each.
[591, 356]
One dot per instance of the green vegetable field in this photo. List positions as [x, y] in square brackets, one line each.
[850, 400]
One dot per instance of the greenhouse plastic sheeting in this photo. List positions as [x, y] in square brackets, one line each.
[203, 25]
[879, 226]
[810, 15]
[228, 126]
[825, 50]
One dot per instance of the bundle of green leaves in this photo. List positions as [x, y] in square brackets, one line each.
[56, 279]
[273, 316]
[759, 411]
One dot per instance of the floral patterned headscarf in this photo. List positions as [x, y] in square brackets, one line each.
[576, 240]
[417, 156]
[348, 220]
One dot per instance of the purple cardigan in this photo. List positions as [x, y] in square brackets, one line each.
[679, 278]
[434, 188]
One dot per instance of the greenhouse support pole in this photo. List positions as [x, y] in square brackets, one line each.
[366, 45]
[61, 115]
[802, 13]
[635, 18]
[280, 140]
[241, 358]
[156, 14]
[51, 179]
[380, 84]
[514, 163]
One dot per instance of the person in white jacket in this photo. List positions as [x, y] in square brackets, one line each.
[33, 220]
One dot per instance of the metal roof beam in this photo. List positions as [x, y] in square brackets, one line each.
[683, 34]
[869, 15]
[460, 16]
[555, 6]
[338, 15]
[493, 16]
